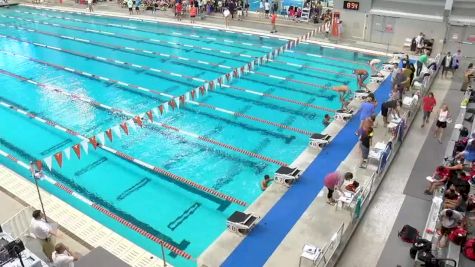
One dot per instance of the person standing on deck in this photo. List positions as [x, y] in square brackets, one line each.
[273, 19]
[89, 5]
[333, 181]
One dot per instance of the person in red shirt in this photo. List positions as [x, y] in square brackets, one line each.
[178, 10]
[193, 13]
[428, 104]
[273, 18]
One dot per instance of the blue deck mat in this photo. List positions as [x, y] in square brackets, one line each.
[259, 245]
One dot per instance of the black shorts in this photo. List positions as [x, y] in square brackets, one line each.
[441, 124]
[130, 9]
[192, 16]
[384, 110]
[267, 11]
[136, 8]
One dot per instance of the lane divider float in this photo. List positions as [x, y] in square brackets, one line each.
[141, 88]
[103, 210]
[130, 115]
[127, 157]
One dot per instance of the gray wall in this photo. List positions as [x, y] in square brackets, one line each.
[407, 28]
[354, 22]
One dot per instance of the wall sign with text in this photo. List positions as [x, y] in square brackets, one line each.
[352, 5]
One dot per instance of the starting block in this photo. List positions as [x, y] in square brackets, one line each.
[376, 78]
[388, 67]
[344, 115]
[287, 175]
[241, 223]
[361, 94]
[319, 140]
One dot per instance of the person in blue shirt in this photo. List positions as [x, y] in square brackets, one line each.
[469, 153]
[367, 109]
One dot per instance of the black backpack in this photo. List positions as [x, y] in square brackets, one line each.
[409, 234]
[464, 132]
[420, 245]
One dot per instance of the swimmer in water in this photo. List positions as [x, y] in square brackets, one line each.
[361, 76]
[343, 90]
[373, 63]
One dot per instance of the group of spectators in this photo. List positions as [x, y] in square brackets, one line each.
[58, 254]
[453, 180]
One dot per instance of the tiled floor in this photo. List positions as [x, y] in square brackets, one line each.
[90, 231]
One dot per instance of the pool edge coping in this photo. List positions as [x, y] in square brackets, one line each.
[232, 29]
[23, 191]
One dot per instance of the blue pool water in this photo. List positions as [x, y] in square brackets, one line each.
[186, 218]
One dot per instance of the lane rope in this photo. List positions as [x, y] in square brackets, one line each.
[129, 37]
[131, 49]
[130, 115]
[103, 210]
[127, 157]
[141, 88]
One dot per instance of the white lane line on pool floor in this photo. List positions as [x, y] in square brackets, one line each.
[122, 36]
[142, 163]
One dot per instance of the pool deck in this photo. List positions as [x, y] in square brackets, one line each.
[95, 234]
[303, 231]
[90, 232]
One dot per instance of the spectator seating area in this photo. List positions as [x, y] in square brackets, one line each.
[452, 238]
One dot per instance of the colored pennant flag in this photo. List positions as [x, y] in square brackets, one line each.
[116, 130]
[102, 139]
[109, 134]
[172, 104]
[211, 85]
[249, 66]
[125, 128]
[161, 109]
[206, 85]
[165, 105]
[49, 162]
[93, 141]
[188, 95]
[149, 115]
[193, 92]
[85, 146]
[77, 150]
[156, 112]
[228, 76]
[59, 158]
[220, 81]
[178, 101]
[138, 121]
[39, 165]
[131, 123]
[67, 152]
[182, 99]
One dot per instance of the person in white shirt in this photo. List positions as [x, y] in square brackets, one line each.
[373, 63]
[266, 8]
[419, 43]
[89, 4]
[62, 256]
[44, 232]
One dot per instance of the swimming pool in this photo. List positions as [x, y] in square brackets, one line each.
[90, 73]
